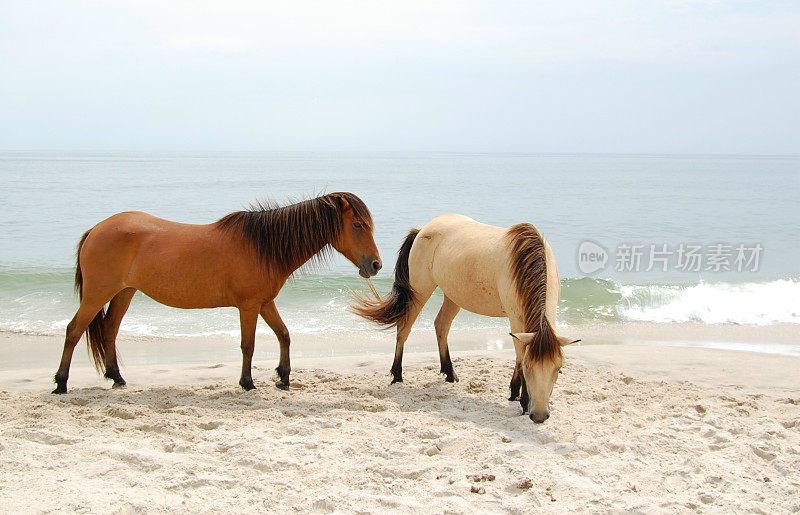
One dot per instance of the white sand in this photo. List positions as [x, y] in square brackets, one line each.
[632, 428]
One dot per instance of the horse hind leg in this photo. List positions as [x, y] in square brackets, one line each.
[421, 297]
[273, 319]
[116, 310]
[447, 313]
[87, 312]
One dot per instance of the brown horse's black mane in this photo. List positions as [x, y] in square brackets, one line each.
[529, 269]
[287, 236]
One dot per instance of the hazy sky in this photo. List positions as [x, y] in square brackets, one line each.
[563, 76]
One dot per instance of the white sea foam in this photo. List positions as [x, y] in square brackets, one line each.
[748, 303]
[324, 310]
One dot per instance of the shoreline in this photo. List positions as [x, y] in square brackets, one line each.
[19, 351]
[709, 367]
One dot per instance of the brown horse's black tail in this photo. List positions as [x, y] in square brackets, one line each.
[94, 333]
[391, 309]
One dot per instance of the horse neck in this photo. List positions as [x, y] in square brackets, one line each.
[308, 252]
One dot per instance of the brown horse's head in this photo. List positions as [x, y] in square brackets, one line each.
[541, 364]
[355, 241]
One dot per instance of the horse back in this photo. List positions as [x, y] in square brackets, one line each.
[177, 264]
[466, 259]
[471, 263]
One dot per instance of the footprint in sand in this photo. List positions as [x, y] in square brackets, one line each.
[707, 498]
[120, 412]
[327, 378]
[762, 453]
[260, 466]
[135, 460]
[208, 426]
[46, 438]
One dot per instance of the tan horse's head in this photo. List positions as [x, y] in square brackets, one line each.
[355, 241]
[541, 365]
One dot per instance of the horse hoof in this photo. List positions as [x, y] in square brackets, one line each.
[397, 380]
[116, 385]
[60, 389]
[451, 379]
[247, 385]
[514, 398]
[280, 385]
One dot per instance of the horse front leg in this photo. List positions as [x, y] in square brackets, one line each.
[248, 317]
[273, 319]
[516, 381]
[116, 310]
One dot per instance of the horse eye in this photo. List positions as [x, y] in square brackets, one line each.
[357, 225]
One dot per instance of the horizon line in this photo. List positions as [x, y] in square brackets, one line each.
[452, 152]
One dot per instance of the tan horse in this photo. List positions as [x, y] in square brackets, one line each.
[492, 271]
[242, 260]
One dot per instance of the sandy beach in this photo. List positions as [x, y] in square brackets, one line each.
[633, 427]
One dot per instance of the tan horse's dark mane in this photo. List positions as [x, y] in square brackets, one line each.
[529, 270]
[286, 236]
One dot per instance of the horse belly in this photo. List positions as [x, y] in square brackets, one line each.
[184, 300]
[477, 300]
[180, 276]
[472, 290]
[179, 290]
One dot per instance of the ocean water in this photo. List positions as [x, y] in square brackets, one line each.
[615, 202]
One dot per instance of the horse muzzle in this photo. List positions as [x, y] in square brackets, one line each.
[539, 417]
[369, 267]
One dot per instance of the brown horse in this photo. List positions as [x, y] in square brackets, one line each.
[242, 260]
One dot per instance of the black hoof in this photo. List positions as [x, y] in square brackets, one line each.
[514, 398]
[60, 389]
[283, 377]
[451, 379]
[119, 384]
[247, 384]
[397, 375]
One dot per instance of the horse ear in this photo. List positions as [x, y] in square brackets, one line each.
[525, 338]
[566, 340]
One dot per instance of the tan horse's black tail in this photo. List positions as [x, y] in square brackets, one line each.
[391, 309]
[94, 333]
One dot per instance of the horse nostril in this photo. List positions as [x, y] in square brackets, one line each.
[376, 265]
